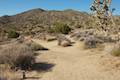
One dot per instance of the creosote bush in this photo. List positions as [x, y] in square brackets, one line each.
[13, 34]
[17, 56]
[60, 28]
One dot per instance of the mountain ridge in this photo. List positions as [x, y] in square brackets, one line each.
[37, 19]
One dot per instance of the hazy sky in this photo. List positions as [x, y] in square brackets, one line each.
[11, 7]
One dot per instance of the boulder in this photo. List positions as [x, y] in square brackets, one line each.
[65, 43]
[63, 40]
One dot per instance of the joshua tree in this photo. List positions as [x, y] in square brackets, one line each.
[102, 13]
[101, 6]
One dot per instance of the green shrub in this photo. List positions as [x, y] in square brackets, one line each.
[60, 28]
[13, 34]
[17, 56]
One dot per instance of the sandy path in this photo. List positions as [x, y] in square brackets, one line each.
[73, 63]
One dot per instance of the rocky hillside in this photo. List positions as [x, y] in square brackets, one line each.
[42, 18]
[39, 20]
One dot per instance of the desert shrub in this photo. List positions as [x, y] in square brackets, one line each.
[90, 42]
[34, 46]
[116, 50]
[49, 30]
[60, 28]
[17, 56]
[13, 34]
[7, 73]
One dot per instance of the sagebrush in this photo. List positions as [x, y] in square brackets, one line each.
[17, 56]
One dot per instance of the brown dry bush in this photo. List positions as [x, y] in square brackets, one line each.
[36, 47]
[90, 42]
[116, 50]
[17, 56]
[7, 74]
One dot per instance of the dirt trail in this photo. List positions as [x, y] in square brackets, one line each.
[73, 63]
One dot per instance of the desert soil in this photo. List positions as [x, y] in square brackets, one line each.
[74, 63]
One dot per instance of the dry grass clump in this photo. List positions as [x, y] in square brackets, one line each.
[116, 50]
[35, 47]
[90, 42]
[17, 56]
[7, 74]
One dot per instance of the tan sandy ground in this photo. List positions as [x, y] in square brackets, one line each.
[73, 63]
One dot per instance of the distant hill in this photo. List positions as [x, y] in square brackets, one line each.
[38, 19]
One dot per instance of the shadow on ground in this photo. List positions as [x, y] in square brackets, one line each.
[44, 66]
[39, 67]
[35, 78]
